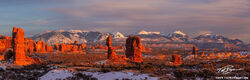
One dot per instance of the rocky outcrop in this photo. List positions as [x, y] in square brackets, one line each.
[29, 45]
[237, 55]
[176, 59]
[57, 46]
[111, 52]
[83, 46]
[227, 55]
[6, 42]
[2, 46]
[40, 47]
[202, 54]
[133, 48]
[112, 56]
[69, 47]
[194, 51]
[219, 55]
[62, 47]
[19, 47]
[148, 48]
[74, 48]
[49, 48]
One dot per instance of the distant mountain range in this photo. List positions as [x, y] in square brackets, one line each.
[82, 36]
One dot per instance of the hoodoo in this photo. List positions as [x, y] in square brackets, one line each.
[18, 48]
[111, 52]
[133, 48]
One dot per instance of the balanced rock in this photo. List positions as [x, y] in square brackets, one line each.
[133, 48]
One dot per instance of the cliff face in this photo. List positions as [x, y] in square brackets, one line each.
[19, 48]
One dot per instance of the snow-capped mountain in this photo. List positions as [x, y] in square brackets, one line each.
[143, 32]
[178, 36]
[118, 35]
[150, 36]
[62, 36]
[213, 38]
[83, 36]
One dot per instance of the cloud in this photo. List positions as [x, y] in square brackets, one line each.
[226, 17]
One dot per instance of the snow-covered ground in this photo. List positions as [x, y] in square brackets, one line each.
[57, 74]
[67, 73]
[3, 67]
[101, 62]
[120, 76]
[244, 52]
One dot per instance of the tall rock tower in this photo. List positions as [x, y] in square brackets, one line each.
[18, 48]
[133, 48]
[111, 52]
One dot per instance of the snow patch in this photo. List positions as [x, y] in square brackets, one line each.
[3, 67]
[143, 32]
[179, 32]
[118, 35]
[77, 31]
[101, 62]
[120, 76]
[57, 74]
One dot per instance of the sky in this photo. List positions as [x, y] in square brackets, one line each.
[230, 18]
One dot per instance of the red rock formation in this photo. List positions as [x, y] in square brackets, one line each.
[8, 54]
[76, 43]
[2, 46]
[111, 53]
[96, 46]
[194, 51]
[133, 48]
[202, 54]
[62, 47]
[1, 57]
[237, 55]
[49, 48]
[211, 54]
[118, 47]
[148, 48]
[93, 48]
[143, 48]
[176, 59]
[30, 47]
[40, 46]
[74, 48]
[219, 55]
[18, 48]
[6, 41]
[57, 46]
[101, 47]
[90, 47]
[83, 46]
